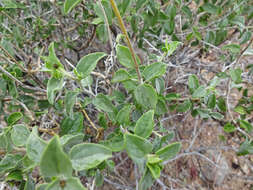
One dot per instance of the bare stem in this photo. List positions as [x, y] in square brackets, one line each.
[123, 29]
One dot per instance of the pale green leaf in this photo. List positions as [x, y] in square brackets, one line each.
[145, 124]
[146, 96]
[88, 63]
[19, 134]
[120, 76]
[70, 4]
[54, 162]
[124, 56]
[69, 102]
[66, 184]
[169, 151]
[154, 70]
[88, 155]
[35, 146]
[103, 103]
[54, 85]
[137, 147]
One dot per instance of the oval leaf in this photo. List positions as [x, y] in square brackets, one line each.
[103, 103]
[120, 76]
[145, 124]
[88, 63]
[199, 92]
[124, 56]
[69, 102]
[169, 151]
[137, 147]
[19, 134]
[53, 85]
[146, 96]
[88, 155]
[154, 70]
[54, 162]
[35, 146]
[193, 83]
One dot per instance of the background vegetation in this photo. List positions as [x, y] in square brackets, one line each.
[140, 94]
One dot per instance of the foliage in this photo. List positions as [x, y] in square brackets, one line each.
[129, 115]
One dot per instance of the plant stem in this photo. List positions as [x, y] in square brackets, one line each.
[123, 29]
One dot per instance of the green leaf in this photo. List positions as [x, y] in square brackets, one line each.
[216, 115]
[115, 142]
[88, 63]
[69, 102]
[155, 170]
[30, 184]
[193, 83]
[66, 184]
[123, 116]
[120, 76]
[14, 117]
[87, 81]
[240, 109]
[88, 155]
[200, 92]
[233, 48]
[161, 107]
[130, 85]
[229, 128]
[124, 56]
[245, 37]
[68, 141]
[146, 181]
[185, 106]
[236, 75]
[99, 178]
[11, 4]
[9, 161]
[145, 124]
[196, 33]
[246, 125]
[42, 186]
[146, 96]
[72, 126]
[153, 159]
[154, 70]
[19, 134]
[186, 10]
[15, 175]
[210, 8]
[204, 113]
[54, 85]
[102, 102]
[238, 20]
[245, 148]
[52, 63]
[221, 104]
[108, 11]
[70, 4]
[159, 85]
[35, 146]
[172, 96]
[169, 151]
[211, 101]
[54, 162]
[137, 147]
